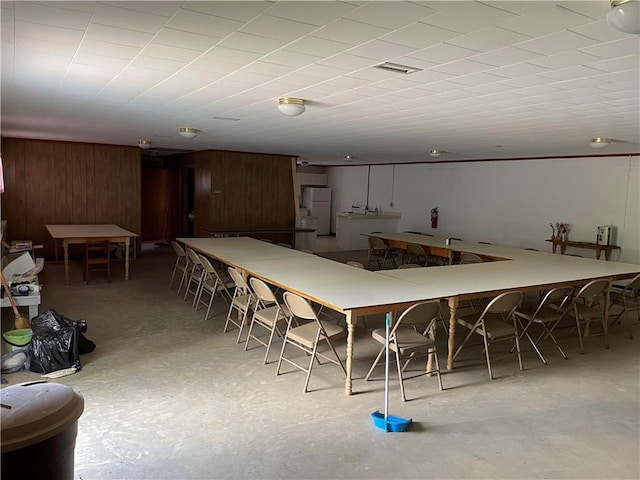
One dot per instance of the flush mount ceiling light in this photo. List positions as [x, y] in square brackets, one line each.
[348, 158]
[436, 153]
[291, 107]
[188, 132]
[625, 15]
[600, 142]
[144, 144]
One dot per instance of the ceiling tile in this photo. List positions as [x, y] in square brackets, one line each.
[164, 8]
[563, 60]
[239, 11]
[346, 61]
[542, 23]
[32, 45]
[504, 56]
[419, 35]
[251, 43]
[182, 39]
[120, 36]
[276, 28]
[289, 58]
[47, 33]
[202, 24]
[600, 31]
[570, 73]
[313, 13]
[617, 48]
[443, 53]
[475, 16]
[390, 15]
[231, 55]
[478, 78]
[170, 53]
[106, 49]
[462, 67]
[155, 63]
[618, 64]
[51, 15]
[319, 47]
[556, 43]
[347, 31]
[488, 38]
[127, 19]
[380, 50]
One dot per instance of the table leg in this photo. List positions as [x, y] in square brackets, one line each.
[607, 255]
[453, 307]
[605, 323]
[351, 327]
[127, 241]
[55, 249]
[65, 247]
[598, 254]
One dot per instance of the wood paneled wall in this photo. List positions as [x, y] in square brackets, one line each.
[242, 190]
[50, 182]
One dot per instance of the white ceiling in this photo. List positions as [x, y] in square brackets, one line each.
[498, 79]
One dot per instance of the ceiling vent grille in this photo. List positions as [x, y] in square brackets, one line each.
[397, 68]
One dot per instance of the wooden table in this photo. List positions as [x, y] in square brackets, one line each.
[73, 234]
[563, 244]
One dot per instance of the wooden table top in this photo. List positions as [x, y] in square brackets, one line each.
[88, 231]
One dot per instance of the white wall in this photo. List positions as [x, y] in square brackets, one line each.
[505, 202]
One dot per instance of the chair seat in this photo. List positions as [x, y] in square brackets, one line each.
[243, 301]
[407, 338]
[271, 315]
[493, 323]
[585, 312]
[306, 334]
[545, 315]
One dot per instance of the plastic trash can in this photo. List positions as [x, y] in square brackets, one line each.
[39, 423]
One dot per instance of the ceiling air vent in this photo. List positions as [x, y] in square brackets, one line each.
[396, 67]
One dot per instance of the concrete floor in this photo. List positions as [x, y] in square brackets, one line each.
[169, 396]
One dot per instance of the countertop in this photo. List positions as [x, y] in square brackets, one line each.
[369, 216]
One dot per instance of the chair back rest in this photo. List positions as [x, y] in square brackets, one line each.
[415, 249]
[470, 258]
[355, 264]
[409, 265]
[505, 303]
[593, 290]
[238, 279]
[376, 243]
[206, 264]
[194, 258]
[633, 284]
[552, 296]
[423, 314]
[178, 249]
[262, 291]
[299, 306]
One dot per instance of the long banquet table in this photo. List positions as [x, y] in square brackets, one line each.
[340, 287]
[512, 268]
[357, 292]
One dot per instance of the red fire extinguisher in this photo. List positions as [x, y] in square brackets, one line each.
[434, 218]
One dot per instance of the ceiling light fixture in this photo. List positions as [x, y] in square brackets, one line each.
[188, 132]
[625, 15]
[397, 68]
[436, 153]
[144, 144]
[291, 107]
[600, 142]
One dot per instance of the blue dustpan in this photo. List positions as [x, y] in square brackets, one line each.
[389, 423]
[392, 423]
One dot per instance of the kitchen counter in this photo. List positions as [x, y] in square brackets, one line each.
[350, 227]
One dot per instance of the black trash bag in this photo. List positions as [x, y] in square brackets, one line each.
[55, 342]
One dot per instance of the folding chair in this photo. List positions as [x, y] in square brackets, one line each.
[242, 301]
[179, 266]
[545, 315]
[588, 304]
[308, 336]
[412, 337]
[268, 314]
[629, 299]
[496, 322]
[211, 284]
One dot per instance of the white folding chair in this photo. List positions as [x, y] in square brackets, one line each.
[242, 301]
[179, 266]
[212, 283]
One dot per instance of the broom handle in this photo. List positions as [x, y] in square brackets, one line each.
[11, 300]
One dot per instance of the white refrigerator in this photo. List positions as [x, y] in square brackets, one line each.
[318, 201]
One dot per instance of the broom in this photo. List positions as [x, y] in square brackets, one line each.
[19, 321]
